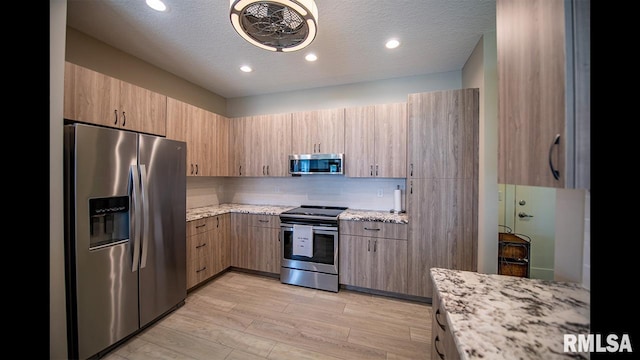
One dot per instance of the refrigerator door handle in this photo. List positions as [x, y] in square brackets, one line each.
[135, 195]
[144, 182]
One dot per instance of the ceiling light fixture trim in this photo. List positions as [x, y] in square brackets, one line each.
[275, 25]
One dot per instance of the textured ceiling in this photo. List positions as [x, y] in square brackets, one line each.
[195, 41]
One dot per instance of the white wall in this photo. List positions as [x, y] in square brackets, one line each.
[57, 309]
[481, 71]
[329, 190]
[570, 233]
[365, 93]
[586, 250]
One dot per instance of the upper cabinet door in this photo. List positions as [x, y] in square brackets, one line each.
[540, 110]
[442, 134]
[96, 98]
[359, 136]
[376, 141]
[391, 140]
[90, 96]
[143, 110]
[318, 131]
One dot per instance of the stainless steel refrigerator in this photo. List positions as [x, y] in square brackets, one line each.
[125, 229]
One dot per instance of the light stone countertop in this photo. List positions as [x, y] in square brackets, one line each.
[213, 210]
[374, 215]
[349, 214]
[506, 317]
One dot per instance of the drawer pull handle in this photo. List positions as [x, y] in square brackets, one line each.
[435, 346]
[438, 320]
[199, 246]
[199, 226]
[203, 269]
[366, 228]
[263, 221]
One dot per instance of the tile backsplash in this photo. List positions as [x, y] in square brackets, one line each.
[329, 190]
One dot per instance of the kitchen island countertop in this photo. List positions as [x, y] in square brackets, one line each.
[506, 317]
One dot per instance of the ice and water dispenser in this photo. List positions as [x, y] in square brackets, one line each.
[109, 221]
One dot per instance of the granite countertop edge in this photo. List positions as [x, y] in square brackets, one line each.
[349, 214]
[499, 316]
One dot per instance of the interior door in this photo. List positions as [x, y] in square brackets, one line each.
[531, 211]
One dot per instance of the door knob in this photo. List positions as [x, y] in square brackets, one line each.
[522, 214]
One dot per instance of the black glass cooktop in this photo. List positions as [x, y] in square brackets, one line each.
[312, 210]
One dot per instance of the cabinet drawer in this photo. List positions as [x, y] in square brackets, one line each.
[201, 225]
[198, 246]
[376, 229]
[271, 221]
[443, 346]
[198, 270]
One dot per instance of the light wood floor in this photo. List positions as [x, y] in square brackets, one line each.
[246, 316]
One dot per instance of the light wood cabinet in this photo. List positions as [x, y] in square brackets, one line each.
[543, 93]
[318, 131]
[442, 185]
[255, 242]
[261, 145]
[206, 135]
[95, 98]
[208, 251]
[443, 345]
[373, 255]
[375, 141]
[221, 249]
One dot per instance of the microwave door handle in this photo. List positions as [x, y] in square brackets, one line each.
[134, 182]
[144, 182]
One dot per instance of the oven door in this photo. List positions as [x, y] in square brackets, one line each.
[325, 250]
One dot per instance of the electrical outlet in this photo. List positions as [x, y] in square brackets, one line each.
[380, 193]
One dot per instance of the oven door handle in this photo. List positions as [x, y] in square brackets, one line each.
[316, 229]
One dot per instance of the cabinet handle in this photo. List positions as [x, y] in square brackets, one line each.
[263, 170]
[371, 170]
[411, 168]
[124, 118]
[115, 112]
[376, 169]
[217, 222]
[199, 226]
[199, 246]
[314, 148]
[438, 320]
[435, 346]
[196, 169]
[240, 170]
[375, 245]
[263, 221]
[368, 245]
[319, 148]
[203, 269]
[191, 169]
[366, 228]
[411, 187]
[556, 173]
[267, 169]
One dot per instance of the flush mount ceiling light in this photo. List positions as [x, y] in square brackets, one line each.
[276, 25]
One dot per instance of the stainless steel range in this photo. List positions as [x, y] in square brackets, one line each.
[309, 238]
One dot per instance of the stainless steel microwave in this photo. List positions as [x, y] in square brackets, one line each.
[303, 164]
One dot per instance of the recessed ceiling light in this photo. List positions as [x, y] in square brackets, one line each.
[157, 5]
[311, 57]
[392, 44]
[246, 68]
